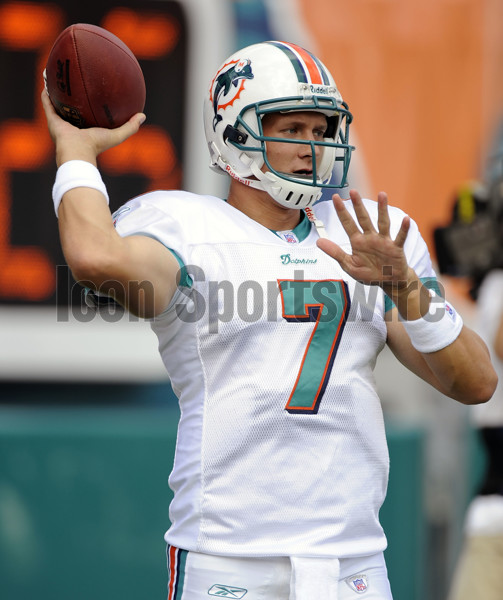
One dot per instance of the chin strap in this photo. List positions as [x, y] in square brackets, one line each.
[320, 228]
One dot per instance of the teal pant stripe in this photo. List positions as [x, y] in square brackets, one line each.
[180, 579]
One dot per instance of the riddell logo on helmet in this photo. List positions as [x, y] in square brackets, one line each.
[326, 90]
[232, 75]
[229, 170]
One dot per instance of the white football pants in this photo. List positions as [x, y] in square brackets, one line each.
[195, 576]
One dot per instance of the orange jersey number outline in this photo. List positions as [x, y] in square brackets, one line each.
[325, 302]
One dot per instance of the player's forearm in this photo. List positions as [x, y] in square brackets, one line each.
[464, 368]
[457, 358]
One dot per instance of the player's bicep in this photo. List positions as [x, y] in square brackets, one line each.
[147, 278]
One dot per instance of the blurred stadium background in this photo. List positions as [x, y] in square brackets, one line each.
[87, 416]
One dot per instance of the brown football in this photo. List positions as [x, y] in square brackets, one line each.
[93, 79]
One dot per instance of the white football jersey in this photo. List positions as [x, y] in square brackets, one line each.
[270, 348]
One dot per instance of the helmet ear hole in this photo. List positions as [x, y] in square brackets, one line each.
[333, 124]
[234, 135]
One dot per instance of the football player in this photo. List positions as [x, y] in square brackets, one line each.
[270, 311]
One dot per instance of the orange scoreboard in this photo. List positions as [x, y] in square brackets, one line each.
[32, 270]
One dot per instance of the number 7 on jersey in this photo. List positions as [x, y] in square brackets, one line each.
[327, 303]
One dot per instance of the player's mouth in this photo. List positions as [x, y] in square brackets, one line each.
[303, 174]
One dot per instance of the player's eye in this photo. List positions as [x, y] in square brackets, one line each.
[290, 131]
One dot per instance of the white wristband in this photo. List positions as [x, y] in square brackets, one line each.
[437, 329]
[74, 174]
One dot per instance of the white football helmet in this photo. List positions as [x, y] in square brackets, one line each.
[271, 77]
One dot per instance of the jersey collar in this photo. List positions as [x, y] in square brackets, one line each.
[300, 232]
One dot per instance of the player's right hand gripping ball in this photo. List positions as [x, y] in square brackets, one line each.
[93, 79]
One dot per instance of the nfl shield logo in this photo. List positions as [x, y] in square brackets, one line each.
[290, 237]
[358, 583]
[450, 311]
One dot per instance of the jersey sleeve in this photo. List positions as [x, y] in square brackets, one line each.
[417, 254]
[150, 215]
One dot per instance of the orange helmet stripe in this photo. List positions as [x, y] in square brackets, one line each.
[309, 69]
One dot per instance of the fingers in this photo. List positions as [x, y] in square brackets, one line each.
[365, 221]
[119, 133]
[44, 96]
[402, 233]
[50, 113]
[383, 222]
[361, 212]
[332, 249]
[87, 143]
[57, 126]
[345, 218]
[362, 215]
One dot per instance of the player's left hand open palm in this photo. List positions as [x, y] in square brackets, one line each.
[376, 258]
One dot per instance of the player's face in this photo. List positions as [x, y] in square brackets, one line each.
[294, 158]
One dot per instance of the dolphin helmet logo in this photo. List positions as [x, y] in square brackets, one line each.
[232, 74]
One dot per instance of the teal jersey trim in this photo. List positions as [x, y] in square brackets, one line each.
[185, 278]
[429, 282]
[302, 230]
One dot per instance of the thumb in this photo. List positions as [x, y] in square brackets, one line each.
[332, 249]
[129, 128]
[103, 139]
